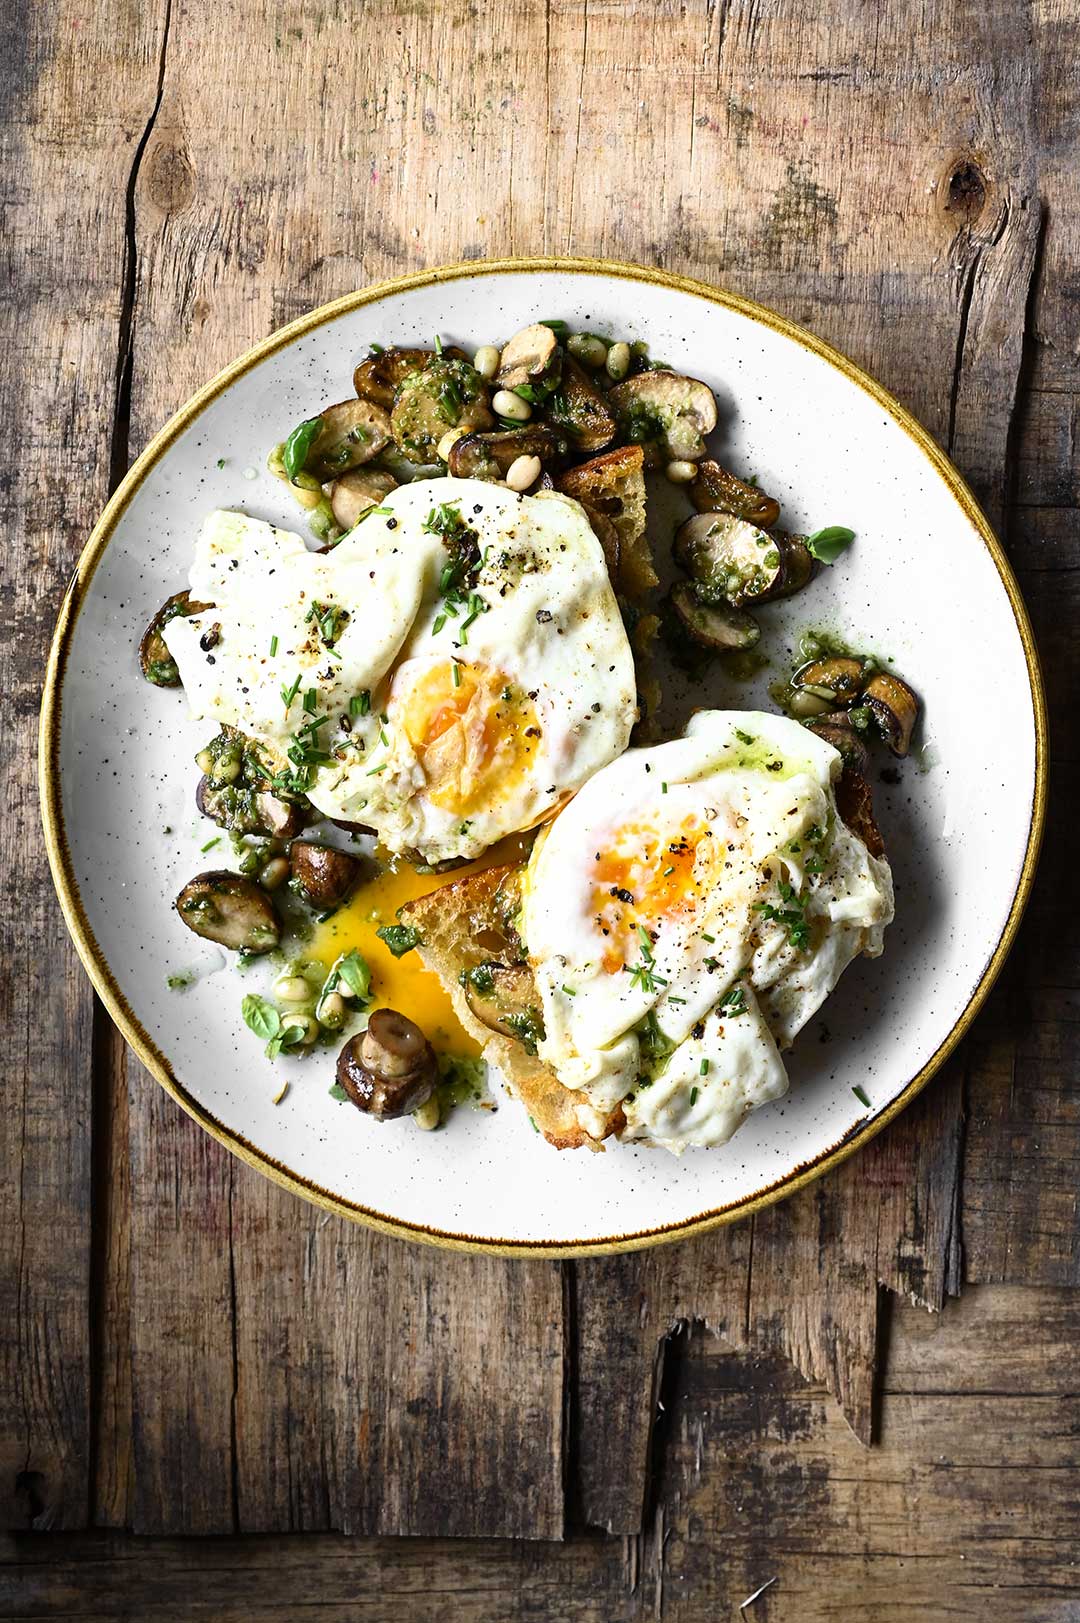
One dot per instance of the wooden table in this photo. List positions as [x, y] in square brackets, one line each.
[189, 1351]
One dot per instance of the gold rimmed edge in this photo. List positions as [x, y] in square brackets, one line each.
[59, 855]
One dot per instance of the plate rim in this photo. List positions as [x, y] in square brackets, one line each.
[96, 964]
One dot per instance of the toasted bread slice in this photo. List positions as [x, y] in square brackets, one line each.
[612, 486]
[469, 922]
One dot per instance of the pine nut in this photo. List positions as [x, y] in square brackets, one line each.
[292, 989]
[590, 351]
[274, 873]
[426, 1115]
[447, 443]
[680, 472]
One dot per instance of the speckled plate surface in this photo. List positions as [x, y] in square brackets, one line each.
[925, 584]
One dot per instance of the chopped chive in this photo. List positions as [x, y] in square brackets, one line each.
[360, 703]
[311, 701]
[289, 694]
[709, 938]
[210, 844]
[569, 990]
[555, 325]
[457, 674]
[383, 738]
[440, 621]
[663, 788]
[704, 1067]
[273, 646]
[374, 770]
[861, 1096]
[673, 999]
[221, 461]
[693, 1097]
[667, 871]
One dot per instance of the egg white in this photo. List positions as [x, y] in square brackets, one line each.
[480, 714]
[657, 911]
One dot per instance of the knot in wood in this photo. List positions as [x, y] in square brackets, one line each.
[170, 179]
[965, 191]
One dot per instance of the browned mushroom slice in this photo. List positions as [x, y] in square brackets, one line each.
[800, 565]
[667, 414]
[446, 394]
[491, 456]
[578, 410]
[836, 729]
[531, 356]
[730, 559]
[501, 996]
[379, 377]
[350, 433]
[894, 707]
[714, 625]
[390, 1069]
[230, 909]
[855, 803]
[324, 875]
[158, 665]
[839, 678]
[355, 493]
[715, 490]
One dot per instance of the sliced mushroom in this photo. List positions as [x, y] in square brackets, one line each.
[715, 490]
[895, 708]
[855, 803]
[446, 394]
[532, 355]
[491, 456]
[351, 432]
[354, 493]
[730, 559]
[283, 819]
[390, 1069]
[578, 410]
[800, 565]
[836, 729]
[667, 414]
[230, 909]
[324, 875]
[499, 995]
[379, 377]
[714, 625]
[158, 665]
[838, 677]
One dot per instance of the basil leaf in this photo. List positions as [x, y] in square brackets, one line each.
[260, 1016]
[827, 545]
[338, 1092]
[400, 938]
[298, 445]
[353, 972]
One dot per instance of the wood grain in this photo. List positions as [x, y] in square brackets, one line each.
[966, 1511]
[225, 1359]
[65, 163]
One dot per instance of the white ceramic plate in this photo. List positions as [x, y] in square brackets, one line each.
[925, 584]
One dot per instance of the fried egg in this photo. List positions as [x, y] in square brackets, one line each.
[685, 916]
[449, 673]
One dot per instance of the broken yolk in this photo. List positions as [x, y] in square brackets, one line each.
[403, 983]
[647, 876]
[475, 732]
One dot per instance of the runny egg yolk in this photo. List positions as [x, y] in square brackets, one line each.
[474, 730]
[403, 983]
[648, 876]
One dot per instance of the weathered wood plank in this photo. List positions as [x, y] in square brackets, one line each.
[1021, 1216]
[967, 1510]
[64, 156]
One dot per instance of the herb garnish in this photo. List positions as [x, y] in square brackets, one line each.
[360, 703]
[297, 446]
[732, 1003]
[643, 976]
[400, 938]
[289, 694]
[861, 1096]
[330, 619]
[792, 915]
[827, 544]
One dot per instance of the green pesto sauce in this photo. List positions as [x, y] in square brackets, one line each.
[743, 664]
